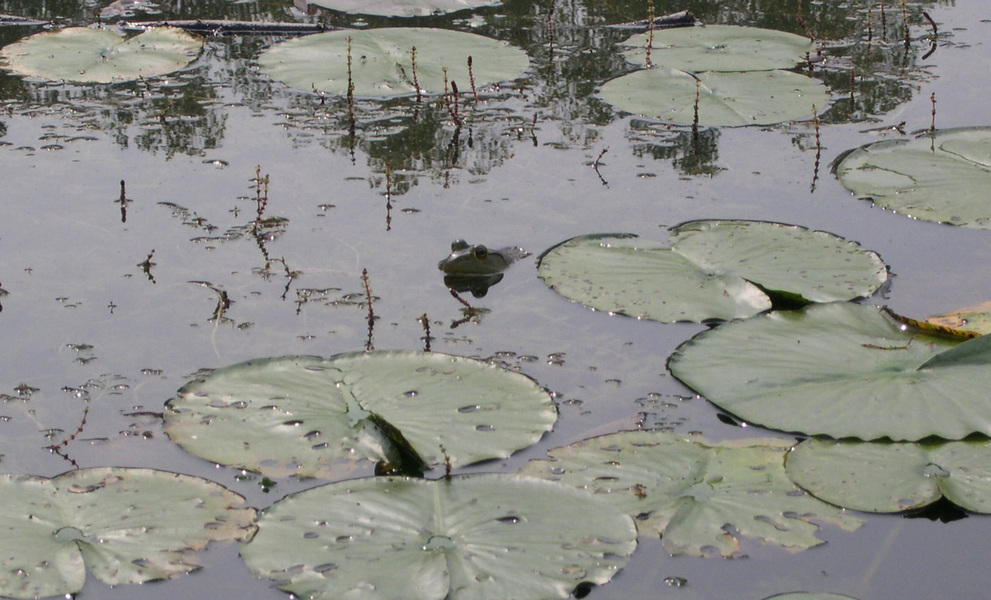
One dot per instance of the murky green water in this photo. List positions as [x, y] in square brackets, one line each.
[104, 309]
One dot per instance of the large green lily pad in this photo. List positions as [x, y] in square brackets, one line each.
[312, 416]
[942, 177]
[88, 55]
[694, 493]
[719, 48]
[402, 8]
[710, 270]
[842, 370]
[724, 99]
[893, 477]
[478, 537]
[126, 525]
[382, 61]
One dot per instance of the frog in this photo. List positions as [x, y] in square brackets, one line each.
[476, 268]
[468, 261]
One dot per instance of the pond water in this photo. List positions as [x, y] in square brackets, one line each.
[114, 308]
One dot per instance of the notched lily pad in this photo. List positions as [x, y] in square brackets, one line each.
[382, 61]
[699, 496]
[942, 177]
[86, 55]
[126, 525]
[894, 477]
[313, 416]
[402, 8]
[719, 48]
[710, 270]
[724, 99]
[485, 537]
[842, 370]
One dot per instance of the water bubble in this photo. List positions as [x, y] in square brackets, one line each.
[510, 519]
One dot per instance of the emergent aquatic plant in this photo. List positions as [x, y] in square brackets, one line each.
[711, 270]
[313, 416]
[478, 537]
[842, 370]
[125, 525]
[88, 55]
[696, 494]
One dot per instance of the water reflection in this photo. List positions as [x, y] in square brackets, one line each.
[871, 63]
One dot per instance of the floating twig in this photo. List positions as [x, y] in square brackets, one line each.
[123, 202]
[815, 170]
[351, 119]
[650, 32]
[471, 309]
[801, 22]
[932, 126]
[884, 22]
[416, 80]
[57, 448]
[870, 27]
[146, 266]
[935, 36]
[369, 346]
[550, 36]
[908, 33]
[425, 322]
[447, 463]
[595, 165]
[223, 301]
[698, 91]
[853, 87]
[261, 195]
[471, 78]
[388, 196]
[931, 24]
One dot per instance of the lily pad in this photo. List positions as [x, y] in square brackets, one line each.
[382, 61]
[710, 270]
[842, 370]
[483, 537]
[942, 177]
[976, 319]
[306, 415]
[699, 496]
[126, 525]
[724, 99]
[719, 48]
[894, 477]
[402, 8]
[88, 55]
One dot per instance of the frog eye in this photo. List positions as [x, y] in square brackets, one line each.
[458, 245]
[480, 252]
